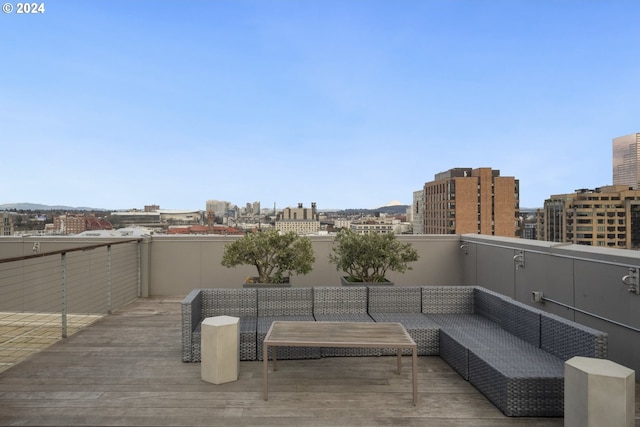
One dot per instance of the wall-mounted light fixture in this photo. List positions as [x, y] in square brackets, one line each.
[518, 259]
[631, 280]
[465, 248]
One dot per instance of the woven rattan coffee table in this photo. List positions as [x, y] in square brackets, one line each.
[339, 334]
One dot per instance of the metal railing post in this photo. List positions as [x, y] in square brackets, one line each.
[63, 261]
[109, 281]
[139, 262]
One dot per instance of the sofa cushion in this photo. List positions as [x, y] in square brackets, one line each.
[229, 302]
[339, 300]
[455, 344]
[447, 321]
[519, 381]
[521, 320]
[424, 331]
[566, 339]
[285, 302]
[488, 304]
[447, 299]
[394, 299]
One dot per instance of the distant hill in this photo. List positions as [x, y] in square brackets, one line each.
[39, 207]
[391, 204]
[392, 209]
[389, 210]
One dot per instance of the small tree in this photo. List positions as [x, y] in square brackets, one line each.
[274, 255]
[368, 257]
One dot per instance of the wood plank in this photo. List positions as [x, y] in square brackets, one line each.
[126, 370]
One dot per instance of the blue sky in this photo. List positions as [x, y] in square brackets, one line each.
[118, 104]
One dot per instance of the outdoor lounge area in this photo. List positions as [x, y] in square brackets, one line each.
[126, 369]
[512, 353]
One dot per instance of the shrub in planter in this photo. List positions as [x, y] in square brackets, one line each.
[368, 257]
[276, 256]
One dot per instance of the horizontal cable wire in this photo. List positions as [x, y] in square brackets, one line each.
[32, 288]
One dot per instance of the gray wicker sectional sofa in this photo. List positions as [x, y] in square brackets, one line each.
[513, 353]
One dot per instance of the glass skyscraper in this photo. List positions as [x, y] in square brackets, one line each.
[626, 160]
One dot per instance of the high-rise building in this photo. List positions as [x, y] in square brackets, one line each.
[299, 213]
[465, 200]
[626, 160]
[417, 211]
[7, 223]
[300, 220]
[608, 216]
[219, 207]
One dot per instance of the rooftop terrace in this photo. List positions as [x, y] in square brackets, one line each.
[125, 367]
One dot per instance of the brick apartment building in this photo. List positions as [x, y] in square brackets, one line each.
[76, 224]
[465, 200]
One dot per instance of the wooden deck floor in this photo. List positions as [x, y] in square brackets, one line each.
[126, 370]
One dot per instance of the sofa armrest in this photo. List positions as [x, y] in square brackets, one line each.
[191, 318]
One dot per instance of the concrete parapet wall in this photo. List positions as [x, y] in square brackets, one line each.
[182, 263]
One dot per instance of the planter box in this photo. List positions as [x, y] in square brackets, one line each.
[345, 282]
[266, 285]
[255, 284]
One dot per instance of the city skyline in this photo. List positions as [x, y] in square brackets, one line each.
[114, 104]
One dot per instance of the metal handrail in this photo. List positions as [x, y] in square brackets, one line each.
[545, 299]
[64, 251]
[535, 251]
[64, 269]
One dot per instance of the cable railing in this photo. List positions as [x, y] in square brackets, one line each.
[47, 296]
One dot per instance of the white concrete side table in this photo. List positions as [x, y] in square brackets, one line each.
[598, 392]
[220, 349]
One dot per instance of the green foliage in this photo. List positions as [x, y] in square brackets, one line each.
[368, 257]
[274, 255]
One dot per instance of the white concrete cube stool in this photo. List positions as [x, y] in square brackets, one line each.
[220, 349]
[598, 392]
